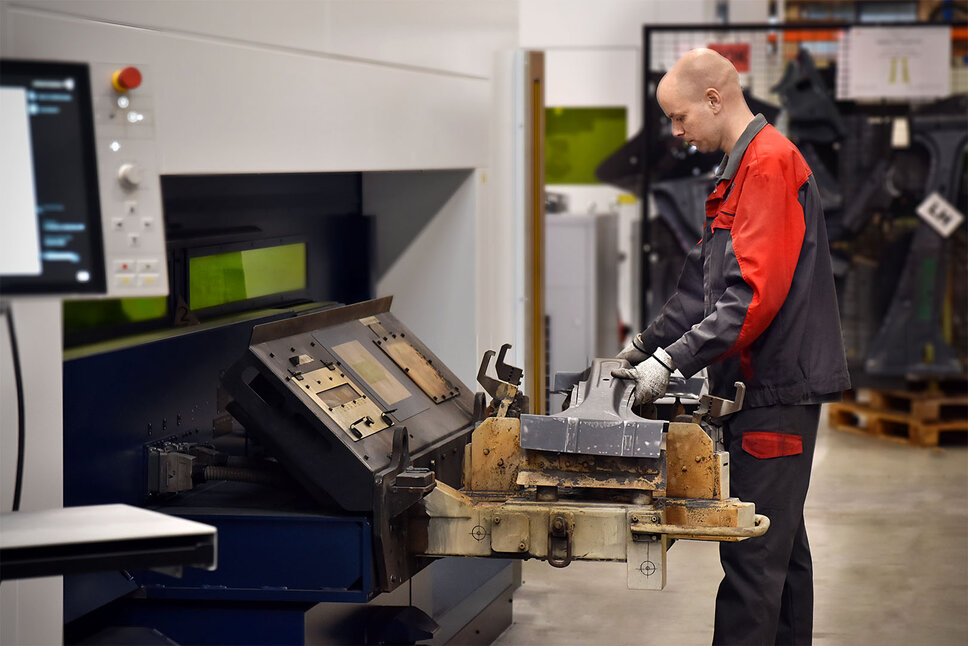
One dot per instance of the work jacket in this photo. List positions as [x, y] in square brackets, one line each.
[756, 300]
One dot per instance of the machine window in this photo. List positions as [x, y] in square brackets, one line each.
[236, 276]
[113, 312]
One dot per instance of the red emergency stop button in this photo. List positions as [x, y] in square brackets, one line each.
[127, 79]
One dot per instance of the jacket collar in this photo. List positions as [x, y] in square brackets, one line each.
[730, 164]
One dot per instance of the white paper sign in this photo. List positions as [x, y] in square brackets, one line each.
[894, 63]
[940, 214]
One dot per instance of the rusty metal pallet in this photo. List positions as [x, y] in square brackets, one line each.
[910, 417]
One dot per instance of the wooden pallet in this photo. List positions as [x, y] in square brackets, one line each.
[916, 418]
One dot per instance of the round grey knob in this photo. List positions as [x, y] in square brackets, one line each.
[130, 175]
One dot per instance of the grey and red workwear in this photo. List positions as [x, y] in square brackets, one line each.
[756, 303]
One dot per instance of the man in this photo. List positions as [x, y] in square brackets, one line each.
[755, 303]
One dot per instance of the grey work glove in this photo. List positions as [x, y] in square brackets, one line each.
[635, 352]
[651, 376]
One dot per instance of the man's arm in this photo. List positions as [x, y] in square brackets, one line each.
[683, 309]
[761, 256]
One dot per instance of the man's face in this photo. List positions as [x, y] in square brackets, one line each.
[692, 120]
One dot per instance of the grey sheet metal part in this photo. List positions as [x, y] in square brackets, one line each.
[600, 422]
[679, 387]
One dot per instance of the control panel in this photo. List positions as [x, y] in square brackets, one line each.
[130, 187]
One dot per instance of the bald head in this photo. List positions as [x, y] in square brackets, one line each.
[701, 69]
[703, 97]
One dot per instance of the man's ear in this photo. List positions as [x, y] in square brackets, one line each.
[713, 99]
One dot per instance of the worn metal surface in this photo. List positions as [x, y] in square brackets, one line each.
[695, 469]
[343, 402]
[646, 555]
[448, 522]
[761, 524]
[691, 512]
[494, 457]
[510, 531]
[409, 359]
[599, 423]
[541, 468]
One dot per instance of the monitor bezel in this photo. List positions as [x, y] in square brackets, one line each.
[40, 285]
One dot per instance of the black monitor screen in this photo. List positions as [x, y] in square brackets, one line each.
[50, 215]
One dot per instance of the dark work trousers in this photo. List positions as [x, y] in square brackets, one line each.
[766, 596]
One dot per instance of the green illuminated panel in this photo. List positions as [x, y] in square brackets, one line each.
[577, 140]
[84, 315]
[241, 275]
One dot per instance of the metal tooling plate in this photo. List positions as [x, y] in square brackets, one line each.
[602, 424]
[340, 398]
[409, 359]
[371, 369]
[339, 395]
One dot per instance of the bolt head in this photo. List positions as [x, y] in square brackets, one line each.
[635, 519]
[522, 546]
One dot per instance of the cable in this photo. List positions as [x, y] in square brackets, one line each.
[19, 386]
[270, 477]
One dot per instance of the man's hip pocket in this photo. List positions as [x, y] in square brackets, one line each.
[768, 444]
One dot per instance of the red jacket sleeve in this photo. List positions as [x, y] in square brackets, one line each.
[767, 234]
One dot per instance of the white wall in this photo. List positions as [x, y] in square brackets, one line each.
[289, 86]
[455, 36]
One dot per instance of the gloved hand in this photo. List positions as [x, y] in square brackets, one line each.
[651, 376]
[635, 353]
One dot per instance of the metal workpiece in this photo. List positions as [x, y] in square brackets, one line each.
[599, 422]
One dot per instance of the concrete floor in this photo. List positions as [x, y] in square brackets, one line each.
[888, 527]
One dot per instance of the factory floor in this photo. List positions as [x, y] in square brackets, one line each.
[888, 527]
